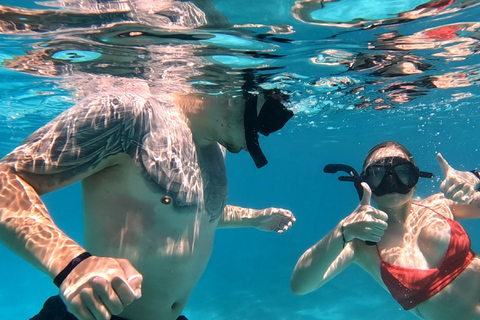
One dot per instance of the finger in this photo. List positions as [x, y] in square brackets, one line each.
[135, 282]
[444, 186]
[80, 311]
[452, 190]
[286, 213]
[281, 229]
[367, 195]
[83, 314]
[380, 225]
[285, 225]
[379, 214]
[443, 164]
[377, 233]
[373, 234]
[123, 291]
[459, 196]
[369, 235]
[374, 238]
[103, 290]
[96, 308]
[292, 218]
[134, 278]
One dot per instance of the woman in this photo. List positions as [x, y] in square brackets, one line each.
[414, 250]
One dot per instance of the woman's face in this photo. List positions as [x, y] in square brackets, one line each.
[390, 199]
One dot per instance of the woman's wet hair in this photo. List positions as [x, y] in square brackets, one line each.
[387, 144]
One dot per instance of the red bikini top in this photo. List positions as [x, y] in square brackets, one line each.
[410, 287]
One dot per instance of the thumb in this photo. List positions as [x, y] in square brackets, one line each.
[443, 164]
[367, 195]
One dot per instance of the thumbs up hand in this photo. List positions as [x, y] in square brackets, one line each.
[458, 186]
[365, 222]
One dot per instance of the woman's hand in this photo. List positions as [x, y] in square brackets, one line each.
[366, 222]
[458, 186]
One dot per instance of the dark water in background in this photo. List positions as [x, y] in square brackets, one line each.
[407, 72]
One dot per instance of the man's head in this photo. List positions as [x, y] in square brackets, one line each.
[235, 121]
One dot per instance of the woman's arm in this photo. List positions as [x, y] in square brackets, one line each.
[335, 251]
[468, 210]
[322, 262]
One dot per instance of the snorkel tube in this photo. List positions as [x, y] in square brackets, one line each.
[272, 117]
[353, 176]
[250, 122]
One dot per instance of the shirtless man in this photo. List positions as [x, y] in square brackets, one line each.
[154, 188]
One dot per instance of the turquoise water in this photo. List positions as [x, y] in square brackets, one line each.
[358, 73]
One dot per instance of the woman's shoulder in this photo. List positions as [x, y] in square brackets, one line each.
[436, 203]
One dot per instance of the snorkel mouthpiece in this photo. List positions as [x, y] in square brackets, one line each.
[272, 117]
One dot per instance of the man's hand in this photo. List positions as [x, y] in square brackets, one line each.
[365, 222]
[458, 186]
[274, 219]
[100, 287]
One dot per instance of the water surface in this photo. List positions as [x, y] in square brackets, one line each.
[357, 72]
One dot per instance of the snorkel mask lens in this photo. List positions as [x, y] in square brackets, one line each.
[391, 175]
[407, 173]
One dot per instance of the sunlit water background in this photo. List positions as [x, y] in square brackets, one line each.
[357, 72]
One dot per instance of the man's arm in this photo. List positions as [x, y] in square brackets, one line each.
[270, 219]
[80, 142]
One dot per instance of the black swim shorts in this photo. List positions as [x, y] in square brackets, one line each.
[55, 309]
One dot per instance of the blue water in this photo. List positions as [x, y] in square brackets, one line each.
[421, 90]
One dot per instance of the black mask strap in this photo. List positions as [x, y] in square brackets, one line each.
[424, 174]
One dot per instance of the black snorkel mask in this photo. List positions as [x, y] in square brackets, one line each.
[392, 174]
[383, 176]
[272, 117]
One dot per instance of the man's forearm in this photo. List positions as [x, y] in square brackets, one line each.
[237, 217]
[27, 228]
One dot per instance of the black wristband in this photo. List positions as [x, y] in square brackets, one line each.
[65, 272]
[477, 174]
[343, 237]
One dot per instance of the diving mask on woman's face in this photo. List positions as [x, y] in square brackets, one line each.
[392, 175]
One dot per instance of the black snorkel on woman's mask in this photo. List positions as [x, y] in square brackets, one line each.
[272, 117]
[385, 182]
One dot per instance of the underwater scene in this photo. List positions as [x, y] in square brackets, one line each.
[353, 72]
